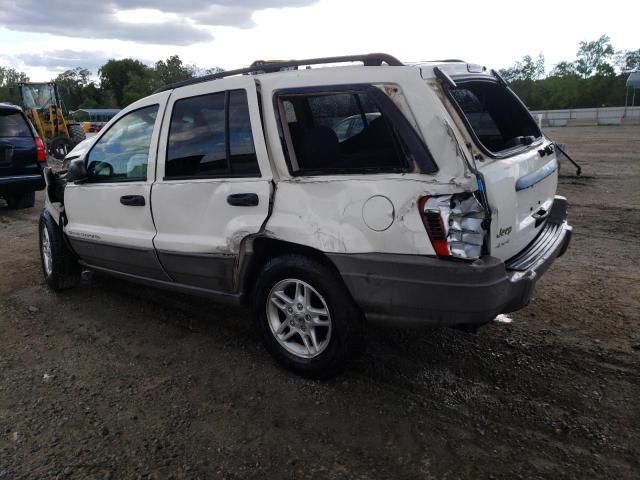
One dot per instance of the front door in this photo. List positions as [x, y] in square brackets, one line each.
[213, 184]
[109, 215]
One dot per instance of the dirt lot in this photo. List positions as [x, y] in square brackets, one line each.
[113, 380]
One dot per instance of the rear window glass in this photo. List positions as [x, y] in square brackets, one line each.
[13, 124]
[341, 132]
[496, 116]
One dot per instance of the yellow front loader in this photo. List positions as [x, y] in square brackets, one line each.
[42, 104]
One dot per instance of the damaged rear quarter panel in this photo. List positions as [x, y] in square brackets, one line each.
[326, 213]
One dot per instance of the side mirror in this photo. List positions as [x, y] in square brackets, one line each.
[77, 171]
[100, 170]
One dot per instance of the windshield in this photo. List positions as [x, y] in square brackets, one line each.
[496, 116]
[38, 96]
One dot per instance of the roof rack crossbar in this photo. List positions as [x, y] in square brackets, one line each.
[369, 60]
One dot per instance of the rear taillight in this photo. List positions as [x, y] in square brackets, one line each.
[434, 224]
[41, 153]
[454, 224]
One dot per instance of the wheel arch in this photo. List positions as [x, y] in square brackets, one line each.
[257, 251]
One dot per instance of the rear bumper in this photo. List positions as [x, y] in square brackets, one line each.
[414, 290]
[16, 184]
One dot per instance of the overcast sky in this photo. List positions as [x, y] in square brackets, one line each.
[44, 40]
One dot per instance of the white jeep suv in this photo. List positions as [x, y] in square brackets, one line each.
[437, 207]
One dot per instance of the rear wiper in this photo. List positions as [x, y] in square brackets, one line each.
[498, 77]
[444, 77]
[575, 164]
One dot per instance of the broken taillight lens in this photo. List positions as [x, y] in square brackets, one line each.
[454, 224]
[41, 153]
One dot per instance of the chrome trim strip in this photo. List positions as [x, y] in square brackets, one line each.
[532, 178]
[21, 177]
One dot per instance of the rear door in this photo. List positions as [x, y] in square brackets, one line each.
[109, 216]
[17, 145]
[213, 185]
[517, 164]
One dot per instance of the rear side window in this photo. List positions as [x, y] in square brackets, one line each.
[210, 136]
[340, 132]
[498, 119]
[13, 124]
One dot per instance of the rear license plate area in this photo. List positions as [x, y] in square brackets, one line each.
[6, 155]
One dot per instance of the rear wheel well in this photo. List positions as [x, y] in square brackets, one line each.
[263, 249]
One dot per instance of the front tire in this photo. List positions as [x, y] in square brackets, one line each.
[59, 265]
[307, 318]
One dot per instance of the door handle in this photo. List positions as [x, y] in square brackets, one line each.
[243, 199]
[132, 200]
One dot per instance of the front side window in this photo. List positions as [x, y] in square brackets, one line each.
[498, 119]
[210, 136]
[122, 153]
[341, 132]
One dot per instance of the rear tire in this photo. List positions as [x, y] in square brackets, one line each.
[21, 200]
[290, 296]
[77, 134]
[59, 265]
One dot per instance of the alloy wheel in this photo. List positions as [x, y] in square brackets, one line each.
[299, 318]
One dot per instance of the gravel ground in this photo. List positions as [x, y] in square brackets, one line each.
[112, 380]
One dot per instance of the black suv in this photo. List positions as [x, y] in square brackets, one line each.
[22, 158]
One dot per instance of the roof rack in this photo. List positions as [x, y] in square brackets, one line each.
[260, 66]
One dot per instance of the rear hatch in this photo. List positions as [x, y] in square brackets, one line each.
[517, 164]
[17, 145]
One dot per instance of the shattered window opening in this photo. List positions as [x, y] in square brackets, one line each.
[341, 132]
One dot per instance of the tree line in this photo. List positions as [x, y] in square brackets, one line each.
[119, 82]
[595, 78]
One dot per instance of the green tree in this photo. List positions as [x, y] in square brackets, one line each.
[200, 72]
[564, 69]
[9, 78]
[628, 60]
[72, 85]
[595, 57]
[139, 86]
[588, 81]
[525, 69]
[172, 70]
[115, 76]
[93, 97]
